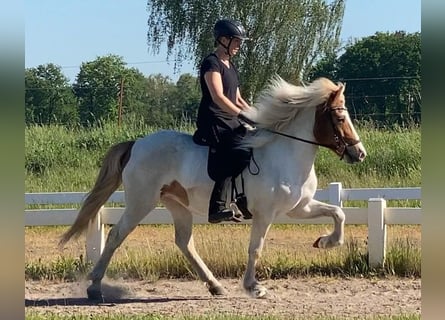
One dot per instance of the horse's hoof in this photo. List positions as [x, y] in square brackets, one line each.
[217, 291]
[258, 292]
[95, 295]
[316, 243]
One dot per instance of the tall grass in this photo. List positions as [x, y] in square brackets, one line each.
[62, 159]
[151, 263]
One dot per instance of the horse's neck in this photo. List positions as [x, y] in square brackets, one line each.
[302, 126]
[293, 153]
[293, 158]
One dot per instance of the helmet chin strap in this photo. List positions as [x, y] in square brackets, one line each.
[226, 47]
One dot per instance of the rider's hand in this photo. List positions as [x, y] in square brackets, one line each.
[243, 116]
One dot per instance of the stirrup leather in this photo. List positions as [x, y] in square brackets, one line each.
[238, 203]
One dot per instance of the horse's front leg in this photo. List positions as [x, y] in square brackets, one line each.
[258, 234]
[316, 209]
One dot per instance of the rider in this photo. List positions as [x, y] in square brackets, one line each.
[220, 111]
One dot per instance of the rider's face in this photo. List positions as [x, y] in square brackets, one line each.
[235, 45]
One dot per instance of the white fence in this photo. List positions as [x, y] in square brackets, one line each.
[377, 216]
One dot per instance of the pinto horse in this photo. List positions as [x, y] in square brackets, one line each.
[168, 167]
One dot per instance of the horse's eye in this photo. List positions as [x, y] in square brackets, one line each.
[340, 111]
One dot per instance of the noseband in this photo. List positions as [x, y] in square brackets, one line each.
[341, 143]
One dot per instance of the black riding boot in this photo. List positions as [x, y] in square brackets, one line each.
[217, 206]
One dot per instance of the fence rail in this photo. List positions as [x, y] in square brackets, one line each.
[376, 215]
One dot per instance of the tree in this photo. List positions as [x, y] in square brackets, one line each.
[383, 75]
[288, 36]
[326, 67]
[98, 88]
[134, 95]
[186, 98]
[168, 104]
[159, 89]
[48, 96]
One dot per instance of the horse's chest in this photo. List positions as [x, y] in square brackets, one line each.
[287, 194]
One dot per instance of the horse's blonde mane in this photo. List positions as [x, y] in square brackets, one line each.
[280, 102]
[278, 105]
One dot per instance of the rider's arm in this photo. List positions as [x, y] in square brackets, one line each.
[240, 102]
[214, 83]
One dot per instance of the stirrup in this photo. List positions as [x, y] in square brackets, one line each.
[239, 201]
[239, 206]
[224, 215]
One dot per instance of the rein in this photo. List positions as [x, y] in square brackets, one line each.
[338, 138]
[296, 138]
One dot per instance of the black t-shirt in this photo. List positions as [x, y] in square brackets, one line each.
[209, 113]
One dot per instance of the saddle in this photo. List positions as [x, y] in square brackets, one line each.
[230, 163]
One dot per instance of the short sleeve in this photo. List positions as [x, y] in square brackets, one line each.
[210, 63]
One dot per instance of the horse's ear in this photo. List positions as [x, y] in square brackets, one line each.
[337, 96]
[341, 87]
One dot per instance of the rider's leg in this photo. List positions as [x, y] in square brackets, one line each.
[217, 206]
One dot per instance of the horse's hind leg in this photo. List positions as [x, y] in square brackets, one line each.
[136, 209]
[183, 221]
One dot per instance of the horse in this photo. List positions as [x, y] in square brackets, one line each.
[166, 167]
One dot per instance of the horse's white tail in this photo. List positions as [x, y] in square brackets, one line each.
[108, 180]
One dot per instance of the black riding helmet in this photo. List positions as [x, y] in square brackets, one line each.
[230, 29]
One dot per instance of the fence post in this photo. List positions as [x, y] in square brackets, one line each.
[335, 193]
[376, 232]
[95, 238]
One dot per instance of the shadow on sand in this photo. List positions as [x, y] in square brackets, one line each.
[106, 301]
[112, 295]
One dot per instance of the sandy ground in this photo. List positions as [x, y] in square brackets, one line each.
[290, 298]
[301, 298]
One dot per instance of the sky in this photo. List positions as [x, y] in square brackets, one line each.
[70, 32]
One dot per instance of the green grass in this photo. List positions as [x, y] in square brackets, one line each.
[52, 316]
[404, 259]
[61, 159]
[63, 268]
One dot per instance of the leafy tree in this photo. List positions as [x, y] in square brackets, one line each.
[98, 88]
[288, 36]
[326, 67]
[383, 75]
[134, 95]
[48, 96]
[167, 104]
[159, 89]
[186, 98]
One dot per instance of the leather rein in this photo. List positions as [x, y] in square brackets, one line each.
[339, 140]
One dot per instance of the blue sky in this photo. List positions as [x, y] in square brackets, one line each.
[69, 32]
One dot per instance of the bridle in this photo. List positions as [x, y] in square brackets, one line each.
[341, 143]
